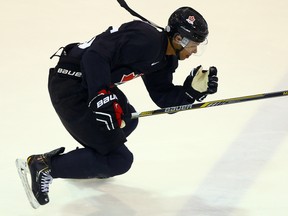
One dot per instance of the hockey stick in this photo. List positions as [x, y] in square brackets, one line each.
[175, 109]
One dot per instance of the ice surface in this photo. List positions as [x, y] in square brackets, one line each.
[222, 161]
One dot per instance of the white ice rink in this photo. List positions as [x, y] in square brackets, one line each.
[223, 161]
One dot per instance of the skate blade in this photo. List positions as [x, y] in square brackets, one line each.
[23, 170]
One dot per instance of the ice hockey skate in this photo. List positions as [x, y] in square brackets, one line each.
[39, 168]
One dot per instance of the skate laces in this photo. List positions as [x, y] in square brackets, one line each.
[46, 179]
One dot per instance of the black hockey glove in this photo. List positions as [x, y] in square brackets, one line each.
[201, 82]
[108, 111]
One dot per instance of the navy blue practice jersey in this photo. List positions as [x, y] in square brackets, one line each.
[134, 49]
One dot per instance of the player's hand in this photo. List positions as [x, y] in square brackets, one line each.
[201, 82]
[108, 111]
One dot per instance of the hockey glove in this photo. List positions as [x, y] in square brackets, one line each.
[201, 82]
[108, 111]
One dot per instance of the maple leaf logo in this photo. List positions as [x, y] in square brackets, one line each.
[126, 78]
[191, 20]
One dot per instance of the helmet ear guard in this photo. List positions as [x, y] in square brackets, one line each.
[183, 41]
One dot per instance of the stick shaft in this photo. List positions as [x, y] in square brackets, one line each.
[209, 104]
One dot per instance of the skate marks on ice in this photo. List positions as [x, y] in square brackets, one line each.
[23, 172]
[237, 170]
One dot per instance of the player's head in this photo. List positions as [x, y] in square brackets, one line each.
[186, 25]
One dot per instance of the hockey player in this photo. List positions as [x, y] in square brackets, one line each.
[83, 90]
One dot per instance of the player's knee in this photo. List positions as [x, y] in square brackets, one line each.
[123, 164]
[128, 163]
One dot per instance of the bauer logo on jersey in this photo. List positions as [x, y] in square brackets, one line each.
[128, 77]
[191, 20]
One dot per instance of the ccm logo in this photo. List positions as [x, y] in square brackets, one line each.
[106, 99]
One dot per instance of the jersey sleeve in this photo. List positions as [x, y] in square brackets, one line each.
[162, 90]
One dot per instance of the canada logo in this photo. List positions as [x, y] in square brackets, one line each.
[128, 77]
[191, 20]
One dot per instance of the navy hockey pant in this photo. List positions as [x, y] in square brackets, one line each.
[104, 154]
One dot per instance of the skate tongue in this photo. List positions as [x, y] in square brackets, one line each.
[54, 152]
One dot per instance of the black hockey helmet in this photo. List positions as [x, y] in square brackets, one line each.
[188, 23]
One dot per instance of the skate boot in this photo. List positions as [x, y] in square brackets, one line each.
[40, 168]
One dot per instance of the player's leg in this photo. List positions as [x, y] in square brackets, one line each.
[104, 155]
[84, 163]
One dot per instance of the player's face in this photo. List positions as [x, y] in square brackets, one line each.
[189, 49]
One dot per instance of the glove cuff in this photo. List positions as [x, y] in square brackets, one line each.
[192, 93]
